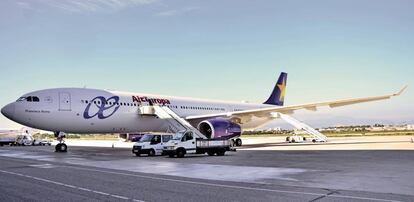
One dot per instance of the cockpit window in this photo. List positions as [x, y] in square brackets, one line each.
[21, 99]
[29, 99]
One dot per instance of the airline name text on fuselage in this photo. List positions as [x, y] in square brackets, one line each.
[141, 99]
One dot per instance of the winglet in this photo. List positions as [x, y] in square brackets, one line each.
[401, 91]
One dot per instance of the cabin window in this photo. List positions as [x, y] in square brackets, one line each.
[36, 99]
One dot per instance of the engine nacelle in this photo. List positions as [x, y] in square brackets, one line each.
[219, 128]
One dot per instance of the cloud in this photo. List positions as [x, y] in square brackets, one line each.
[176, 11]
[85, 5]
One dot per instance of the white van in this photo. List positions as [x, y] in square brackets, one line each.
[151, 144]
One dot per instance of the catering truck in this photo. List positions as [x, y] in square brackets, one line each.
[185, 142]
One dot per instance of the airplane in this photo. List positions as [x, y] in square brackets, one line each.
[83, 111]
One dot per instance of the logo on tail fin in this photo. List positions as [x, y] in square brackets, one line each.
[282, 89]
[278, 94]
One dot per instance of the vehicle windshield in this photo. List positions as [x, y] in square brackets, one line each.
[178, 136]
[146, 138]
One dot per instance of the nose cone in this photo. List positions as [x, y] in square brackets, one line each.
[8, 111]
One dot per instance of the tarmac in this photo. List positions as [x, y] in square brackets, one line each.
[265, 169]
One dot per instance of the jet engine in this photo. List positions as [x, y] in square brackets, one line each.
[219, 128]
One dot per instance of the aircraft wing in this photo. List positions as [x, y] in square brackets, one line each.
[267, 112]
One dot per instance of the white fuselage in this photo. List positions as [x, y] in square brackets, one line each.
[78, 110]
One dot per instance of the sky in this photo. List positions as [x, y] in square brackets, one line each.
[217, 49]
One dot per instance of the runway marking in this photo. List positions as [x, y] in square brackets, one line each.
[70, 186]
[47, 165]
[121, 197]
[236, 187]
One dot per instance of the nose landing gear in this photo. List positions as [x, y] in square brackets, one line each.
[61, 146]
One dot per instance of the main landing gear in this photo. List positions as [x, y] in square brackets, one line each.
[61, 146]
[236, 142]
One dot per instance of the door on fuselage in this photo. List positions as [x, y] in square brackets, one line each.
[64, 101]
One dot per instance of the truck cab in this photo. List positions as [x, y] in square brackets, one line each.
[151, 144]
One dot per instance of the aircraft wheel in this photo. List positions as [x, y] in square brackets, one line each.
[238, 142]
[137, 154]
[61, 147]
[210, 153]
[287, 139]
[171, 155]
[57, 147]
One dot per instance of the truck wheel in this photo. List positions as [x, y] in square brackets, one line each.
[287, 139]
[137, 154]
[180, 153]
[151, 153]
[210, 153]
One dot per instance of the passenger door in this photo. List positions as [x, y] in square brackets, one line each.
[64, 101]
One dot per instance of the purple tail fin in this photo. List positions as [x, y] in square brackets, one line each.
[278, 95]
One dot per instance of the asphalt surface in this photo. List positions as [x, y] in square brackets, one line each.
[106, 174]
